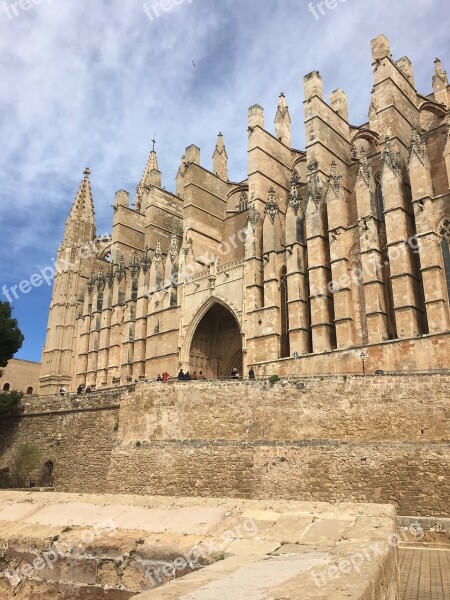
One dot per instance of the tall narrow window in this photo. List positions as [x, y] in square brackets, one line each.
[445, 244]
[100, 301]
[379, 197]
[134, 290]
[284, 306]
[389, 296]
[299, 231]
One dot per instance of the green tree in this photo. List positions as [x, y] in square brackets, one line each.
[26, 459]
[11, 338]
[10, 403]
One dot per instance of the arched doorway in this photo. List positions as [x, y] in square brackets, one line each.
[47, 474]
[216, 347]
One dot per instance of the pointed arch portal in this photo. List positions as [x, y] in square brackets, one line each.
[216, 347]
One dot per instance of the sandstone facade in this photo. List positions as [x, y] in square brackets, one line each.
[319, 253]
[21, 375]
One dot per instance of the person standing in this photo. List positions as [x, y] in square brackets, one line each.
[251, 374]
[62, 391]
[165, 377]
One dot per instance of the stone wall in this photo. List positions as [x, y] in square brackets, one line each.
[76, 434]
[364, 439]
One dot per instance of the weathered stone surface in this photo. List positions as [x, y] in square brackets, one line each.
[96, 558]
[377, 439]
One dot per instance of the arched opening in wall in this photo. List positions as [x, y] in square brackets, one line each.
[444, 231]
[6, 387]
[389, 296]
[30, 391]
[216, 347]
[47, 474]
[284, 313]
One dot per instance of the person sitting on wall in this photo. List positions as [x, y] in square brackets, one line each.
[201, 376]
[79, 389]
[62, 391]
[165, 377]
[181, 375]
[234, 373]
[88, 389]
[187, 376]
[159, 378]
[194, 376]
[251, 374]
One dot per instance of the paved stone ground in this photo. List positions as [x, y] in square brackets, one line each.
[425, 574]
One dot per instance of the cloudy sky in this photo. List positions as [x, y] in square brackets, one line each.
[88, 83]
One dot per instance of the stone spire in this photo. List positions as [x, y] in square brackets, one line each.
[151, 176]
[417, 145]
[440, 83]
[283, 122]
[80, 225]
[220, 159]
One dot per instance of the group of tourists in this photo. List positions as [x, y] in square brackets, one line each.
[182, 376]
[88, 390]
[80, 389]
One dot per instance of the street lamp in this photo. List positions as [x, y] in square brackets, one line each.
[363, 359]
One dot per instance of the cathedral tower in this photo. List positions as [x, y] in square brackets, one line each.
[73, 265]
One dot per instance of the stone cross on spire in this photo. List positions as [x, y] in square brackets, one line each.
[152, 174]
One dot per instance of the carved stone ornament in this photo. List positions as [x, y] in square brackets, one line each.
[294, 197]
[146, 261]
[272, 208]
[174, 249]
[111, 276]
[134, 265]
[121, 270]
[335, 180]
[254, 216]
[91, 282]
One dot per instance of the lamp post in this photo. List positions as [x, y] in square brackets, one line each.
[363, 360]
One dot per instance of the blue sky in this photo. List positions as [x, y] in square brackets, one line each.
[88, 83]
